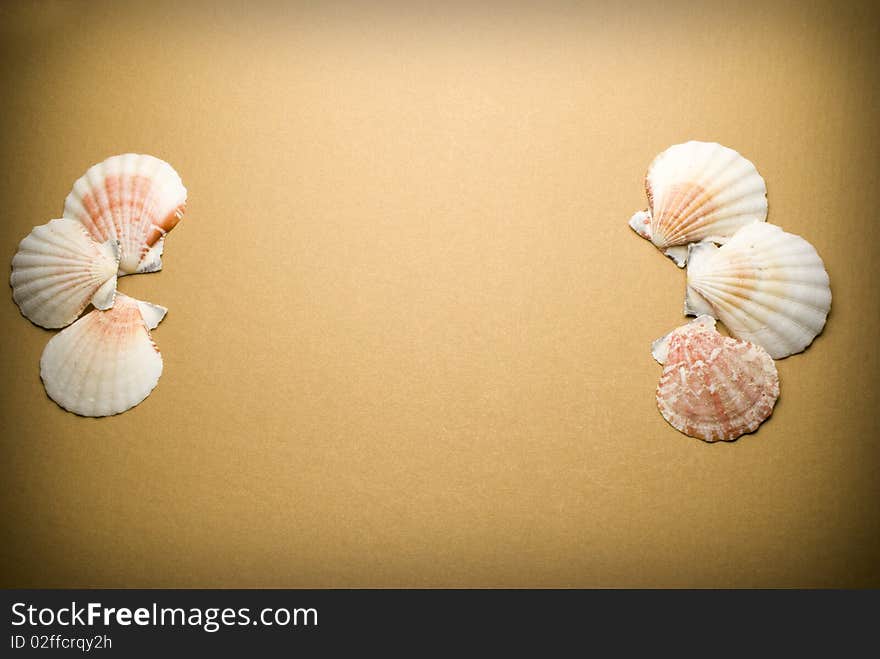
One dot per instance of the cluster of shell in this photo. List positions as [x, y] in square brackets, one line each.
[114, 223]
[768, 287]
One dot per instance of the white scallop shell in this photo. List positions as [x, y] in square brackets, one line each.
[699, 191]
[767, 286]
[134, 199]
[58, 269]
[106, 362]
[714, 387]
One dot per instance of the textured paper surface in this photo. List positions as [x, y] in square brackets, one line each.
[409, 328]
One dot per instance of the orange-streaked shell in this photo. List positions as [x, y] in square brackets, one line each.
[106, 362]
[58, 270]
[134, 199]
[699, 191]
[714, 387]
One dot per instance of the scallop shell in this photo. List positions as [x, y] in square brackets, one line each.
[699, 191]
[767, 286]
[134, 199]
[714, 387]
[58, 269]
[106, 362]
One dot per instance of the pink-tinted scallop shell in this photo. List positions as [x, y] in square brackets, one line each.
[133, 199]
[106, 362]
[699, 191]
[714, 387]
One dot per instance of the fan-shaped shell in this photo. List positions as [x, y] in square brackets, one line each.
[699, 191]
[106, 362]
[134, 199]
[767, 286]
[58, 269]
[714, 387]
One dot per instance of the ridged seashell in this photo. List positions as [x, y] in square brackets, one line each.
[134, 199]
[58, 269]
[714, 387]
[767, 286]
[106, 362]
[699, 191]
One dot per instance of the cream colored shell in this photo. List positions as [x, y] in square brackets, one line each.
[58, 270]
[767, 286]
[699, 191]
[106, 362]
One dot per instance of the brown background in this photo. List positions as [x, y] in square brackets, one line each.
[408, 332]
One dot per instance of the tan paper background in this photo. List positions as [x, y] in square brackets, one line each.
[408, 332]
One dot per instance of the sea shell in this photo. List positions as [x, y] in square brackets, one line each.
[699, 191]
[58, 269]
[767, 286]
[714, 387]
[134, 199]
[106, 362]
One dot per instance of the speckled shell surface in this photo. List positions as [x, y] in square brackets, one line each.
[714, 387]
[133, 199]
